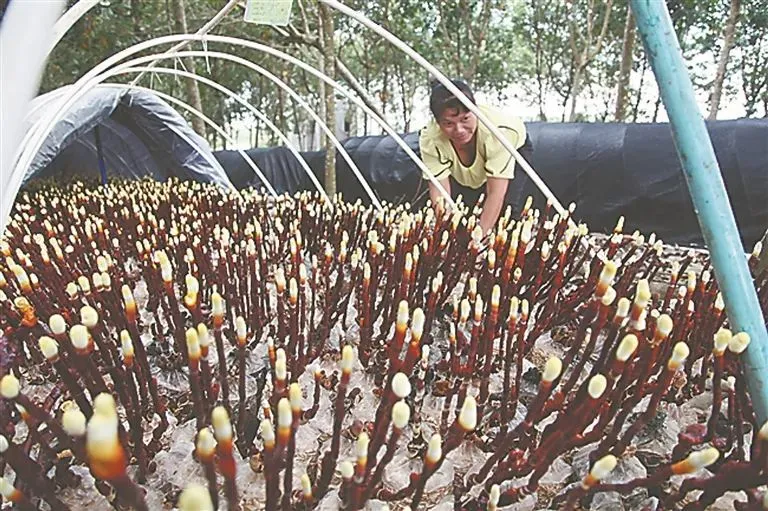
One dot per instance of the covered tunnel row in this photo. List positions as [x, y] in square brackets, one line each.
[608, 170]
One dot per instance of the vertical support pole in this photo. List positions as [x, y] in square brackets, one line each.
[100, 156]
[707, 190]
[24, 38]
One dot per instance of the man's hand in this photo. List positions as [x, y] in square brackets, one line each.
[496, 190]
[438, 200]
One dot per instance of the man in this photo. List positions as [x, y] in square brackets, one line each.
[465, 157]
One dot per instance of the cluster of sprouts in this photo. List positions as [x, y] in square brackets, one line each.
[131, 310]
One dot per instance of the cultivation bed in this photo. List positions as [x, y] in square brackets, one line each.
[471, 333]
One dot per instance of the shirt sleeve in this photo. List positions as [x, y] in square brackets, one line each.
[437, 163]
[498, 161]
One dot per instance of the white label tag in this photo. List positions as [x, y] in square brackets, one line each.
[268, 12]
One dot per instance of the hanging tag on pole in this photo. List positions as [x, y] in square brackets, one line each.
[268, 12]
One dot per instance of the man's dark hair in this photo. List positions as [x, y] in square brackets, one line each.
[441, 99]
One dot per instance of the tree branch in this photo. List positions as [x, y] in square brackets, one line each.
[603, 30]
[357, 87]
[296, 37]
[483, 22]
[304, 17]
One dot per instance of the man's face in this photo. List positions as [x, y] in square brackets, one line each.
[458, 126]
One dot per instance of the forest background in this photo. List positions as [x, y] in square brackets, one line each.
[549, 60]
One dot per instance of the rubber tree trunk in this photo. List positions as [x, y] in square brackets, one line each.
[582, 58]
[329, 59]
[722, 64]
[193, 91]
[622, 95]
[282, 124]
[575, 91]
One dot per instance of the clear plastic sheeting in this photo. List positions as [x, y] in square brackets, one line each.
[607, 169]
[140, 135]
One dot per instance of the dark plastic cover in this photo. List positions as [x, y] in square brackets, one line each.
[141, 136]
[278, 165]
[389, 171]
[608, 170]
[633, 170]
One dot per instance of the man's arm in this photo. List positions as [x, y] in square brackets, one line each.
[496, 189]
[434, 193]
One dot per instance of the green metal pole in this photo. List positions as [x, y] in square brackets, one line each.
[707, 191]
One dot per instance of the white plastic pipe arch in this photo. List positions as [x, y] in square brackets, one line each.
[540, 184]
[403, 47]
[464, 99]
[83, 6]
[68, 19]
[24, 36]
[127, 67]
[243, 62]
[320, 122]
[83, 84]
[48, 101]
[231, 4]
[210, 122]
[38, 133]
[209, 158]
[53, 97]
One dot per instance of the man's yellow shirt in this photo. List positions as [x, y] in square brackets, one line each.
[491, 160]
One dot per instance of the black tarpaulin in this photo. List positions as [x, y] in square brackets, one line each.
[140, 135]
[279, 166]
[606, 169]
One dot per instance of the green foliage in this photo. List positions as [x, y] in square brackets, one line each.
[525, 48]
[752, 60]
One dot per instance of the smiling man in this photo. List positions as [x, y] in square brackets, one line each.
[465, 157]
